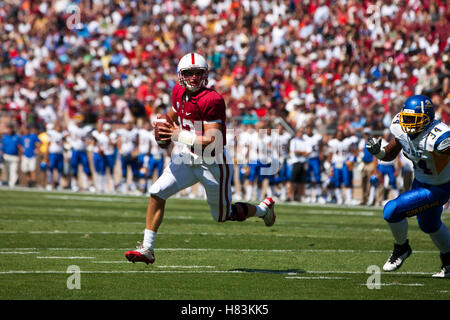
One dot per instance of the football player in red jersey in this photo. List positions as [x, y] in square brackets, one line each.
[198, 116]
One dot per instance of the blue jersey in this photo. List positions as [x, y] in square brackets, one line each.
[10, 144]
[29, 144]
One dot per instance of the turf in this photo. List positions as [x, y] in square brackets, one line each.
[312, 252]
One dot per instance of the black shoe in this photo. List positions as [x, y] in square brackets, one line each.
[445, 268]
[398, 256]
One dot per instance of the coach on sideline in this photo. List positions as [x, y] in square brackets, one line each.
[10, 152]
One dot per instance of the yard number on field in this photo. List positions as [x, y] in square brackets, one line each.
[74, 280]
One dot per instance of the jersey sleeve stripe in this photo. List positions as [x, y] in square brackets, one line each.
[444, 136]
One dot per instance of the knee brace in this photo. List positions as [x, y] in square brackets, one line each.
[239, 211]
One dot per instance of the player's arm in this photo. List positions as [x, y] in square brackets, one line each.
[387, 153]
[212, 131]
[172, 115]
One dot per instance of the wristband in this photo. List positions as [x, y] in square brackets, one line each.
[186, 137]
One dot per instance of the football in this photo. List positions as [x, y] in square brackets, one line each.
[162, 120]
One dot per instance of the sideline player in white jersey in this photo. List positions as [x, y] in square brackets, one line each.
[104, 156]
[198, 117]
[56, 136]
[145, 137]
[250, 138]
[78, 136]
[128, 143]
[338, 156]
[426, 142]
[313, 141]
[281, 149]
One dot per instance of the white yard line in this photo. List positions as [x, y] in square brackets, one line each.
[219, 250]
[65, 257]
[214, 234]
[290, 273]
[19, 252]
[316, 278]
[398, 284]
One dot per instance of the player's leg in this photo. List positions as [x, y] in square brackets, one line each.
[252, 174]
[217, 182]
[33, 161]
[308, 181]
[74, 166]
[414, 202]
[430, 222]
[124, 170]
[174, 178]
[347, 177]
[135, 172]
[338, 179]
[317, 181]
[59, 168]
[87, 177]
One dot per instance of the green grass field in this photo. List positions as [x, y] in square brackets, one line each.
[312, 252]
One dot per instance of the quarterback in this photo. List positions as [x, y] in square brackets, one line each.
[426, 142]
[198, 123]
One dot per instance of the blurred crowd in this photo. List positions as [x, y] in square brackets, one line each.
[335, 65]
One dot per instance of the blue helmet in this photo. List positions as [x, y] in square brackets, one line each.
[417, 114]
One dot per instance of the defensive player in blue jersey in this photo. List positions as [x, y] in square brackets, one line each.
[426, 142]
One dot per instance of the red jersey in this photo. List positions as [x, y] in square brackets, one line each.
[206, 106]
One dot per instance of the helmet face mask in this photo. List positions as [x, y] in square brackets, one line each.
[193, 72]
[412, 123]
[416, 115]
[193, 79]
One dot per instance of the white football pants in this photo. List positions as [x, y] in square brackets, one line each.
[215, 178]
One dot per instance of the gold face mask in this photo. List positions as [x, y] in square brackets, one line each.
[412, 123]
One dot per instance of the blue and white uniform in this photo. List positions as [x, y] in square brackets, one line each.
[129, 142]
[55, 153]
[77, 139]
[431, 186]
[387, 168]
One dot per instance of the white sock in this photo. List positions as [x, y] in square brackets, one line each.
[261, 210]
[395, 193]
[338, 194]
[372, 194]
[399, 231]
[84, 181]
[149, 238]
[104, 182]
[317, 191]
[111, 183]
[348, 194]
[248, 193]
[49, 177]
[308, 190]
[441, 239]
[98, 182]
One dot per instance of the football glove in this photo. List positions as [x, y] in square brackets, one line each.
[374, 147]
